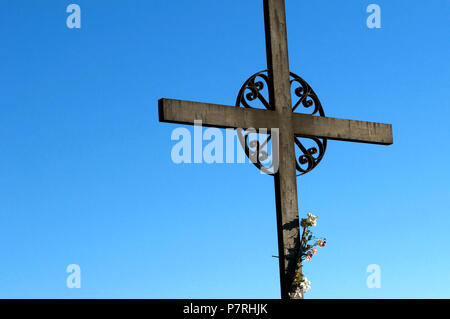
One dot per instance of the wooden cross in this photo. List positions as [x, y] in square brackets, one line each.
[289, 124]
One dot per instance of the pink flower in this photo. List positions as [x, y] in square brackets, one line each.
[321, 242]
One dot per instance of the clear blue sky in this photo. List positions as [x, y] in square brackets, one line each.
[86, 175]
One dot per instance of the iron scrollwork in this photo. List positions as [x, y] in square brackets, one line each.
[309, 151]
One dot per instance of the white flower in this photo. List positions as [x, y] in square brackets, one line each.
[305, 285]
[298, 292]
[307, 288]
[311, 220]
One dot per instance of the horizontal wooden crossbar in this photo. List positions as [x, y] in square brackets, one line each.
[222, 116]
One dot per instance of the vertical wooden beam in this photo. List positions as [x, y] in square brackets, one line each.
[285, 178]
[277, 54]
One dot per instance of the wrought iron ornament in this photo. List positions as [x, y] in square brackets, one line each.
[254, 94]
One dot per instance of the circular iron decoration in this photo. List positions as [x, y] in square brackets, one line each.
[254, 94]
